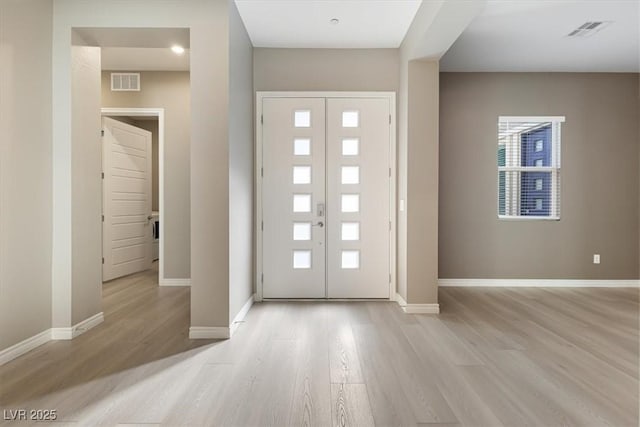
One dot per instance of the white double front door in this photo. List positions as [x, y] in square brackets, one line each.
[326, 186]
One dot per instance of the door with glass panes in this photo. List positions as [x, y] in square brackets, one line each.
[326, 185]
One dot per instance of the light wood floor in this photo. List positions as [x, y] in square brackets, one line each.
[495, 356]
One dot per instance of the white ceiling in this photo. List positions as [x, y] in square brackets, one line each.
[137, 49]
[526, 35]
[306, 23]
[508, 35]
[132, 37]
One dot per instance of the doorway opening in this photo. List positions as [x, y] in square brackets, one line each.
[149, 120]
[143, 97]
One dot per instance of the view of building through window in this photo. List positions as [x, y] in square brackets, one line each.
[529, 167]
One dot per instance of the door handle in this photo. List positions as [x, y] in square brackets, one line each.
[319, 224]
[149, 218]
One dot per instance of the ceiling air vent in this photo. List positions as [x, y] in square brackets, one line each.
[125, 82]
[589, 28]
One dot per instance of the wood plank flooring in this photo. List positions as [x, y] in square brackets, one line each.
[494, 357]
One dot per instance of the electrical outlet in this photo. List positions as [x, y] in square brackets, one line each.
[596, 258]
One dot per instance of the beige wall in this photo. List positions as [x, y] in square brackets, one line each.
[422, 183]
[210, 166]
[326, 69]
[86, 186]
[599, 193]
[401, 213]
[240, 164]
[209, 190]
[417, 257]
[25, 169]
[169, 90]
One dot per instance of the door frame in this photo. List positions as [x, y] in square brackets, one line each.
[391, 97]
[159, 113]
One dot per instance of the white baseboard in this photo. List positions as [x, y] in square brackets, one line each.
[209, 333]
[240, 316]
[77, 329]
[421, 308]
[417, 308]
[8, 354]
[539, 283]
[221, 332]
[175, 282]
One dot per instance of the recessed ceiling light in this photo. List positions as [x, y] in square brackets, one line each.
[335, 21]
[178, 50]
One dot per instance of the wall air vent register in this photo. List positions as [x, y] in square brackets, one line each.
[125, 82]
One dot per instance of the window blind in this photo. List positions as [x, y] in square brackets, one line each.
[529, 160]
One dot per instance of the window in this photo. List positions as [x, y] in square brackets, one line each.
[350, 203]
[350, 147]
[301, 231]
[302, 174]
[529, 167]
[302, 119]
[301, 260]
[350, 174]
[350, 260]
[302, 147]
[539, 146]
[350, 119]
[302, 203]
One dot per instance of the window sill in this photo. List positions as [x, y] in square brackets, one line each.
[529, 218]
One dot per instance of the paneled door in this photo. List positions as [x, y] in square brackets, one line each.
[126, 199]
[326, 183]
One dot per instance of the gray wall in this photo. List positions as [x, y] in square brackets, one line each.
[599, 189]
[240, 164]
[169, 90]
[326, 69]
[25, 169]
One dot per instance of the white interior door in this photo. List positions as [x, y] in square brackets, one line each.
[126, 228]
[293, 197]
[325, 197]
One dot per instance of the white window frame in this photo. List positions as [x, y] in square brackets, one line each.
[513, 197]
